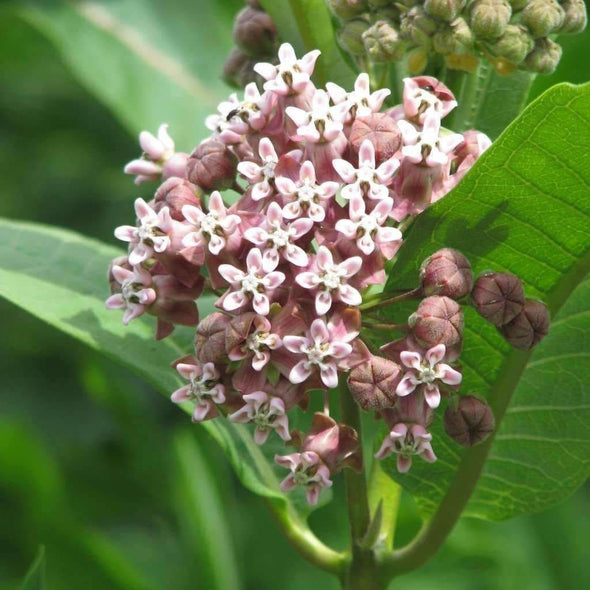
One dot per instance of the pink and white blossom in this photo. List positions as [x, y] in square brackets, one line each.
[308, 471]
[361, 101]
[261, 175]
[424, 95]
[258, 344]
[405, 443]
[156, 150]
[136, 292]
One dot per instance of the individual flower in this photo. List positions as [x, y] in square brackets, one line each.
[405, 443]
[308, 471]
[203, 389]
[322, 350]
[368, 229]
[266, 412]
[426, 371]
[361, 101]
[255, 284]
[136, 292]
[329, 280]
[306, 194]
[209, 229]
[279, 239]
[261, 175]
[424, 95]
[366, 179]
[257, 343]
[149, 236]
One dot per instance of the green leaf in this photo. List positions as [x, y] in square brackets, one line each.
[35, 578]
[149, 62]
[307, 25]
[525, 209]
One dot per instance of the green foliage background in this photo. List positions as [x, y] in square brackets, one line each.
[99, 468]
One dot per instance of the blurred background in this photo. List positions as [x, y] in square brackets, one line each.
[102, 470]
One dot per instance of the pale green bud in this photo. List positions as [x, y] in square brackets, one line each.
[455, 37]
[575, 16]
[347, 9]
[543, 17]
[447, 10]
[489, 18]
[389, 13]
[383, 42]
[351, 36]
[514, 44]
[544, 58]
[417, 27]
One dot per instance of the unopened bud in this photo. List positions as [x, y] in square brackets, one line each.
[498, 297]
[446, 272]
[542, 17]
[529, 327]
[438, 320]
[575, 16]
[175, 193]
[446, 10]
[212, 166]
[381, 130]
[373, 384]
[254, 32]
[514, 45]
[417, 27]
[489, 18]
[455, 37]
[347, 9]
[417, 61]
[383, 43]
[210, 338]
[471, 422]
[351, 36]
[543, 59]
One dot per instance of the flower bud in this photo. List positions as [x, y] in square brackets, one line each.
[238, 69]
[470, 422]
[456, 38]
[212, 166]
[350, 36]
[175, 193]
[210, 338]
[381, 130]
[446, 10]
[347, 9]
[254, 32]
[498, 297]
[254, 4]
[417, 27]
[383, 43]
[438, 320]
[417, 61]
[447, 272]
[373, 384]
[542, 17]
[514, 44]
[543, 59]
[489, 18]
[575, 16]
[529, 327]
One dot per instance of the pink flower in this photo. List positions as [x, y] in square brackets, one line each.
[366, 179]
[329, 280]
[292, 75]
[266, 412]
[256, 284]
[406, 442]
[156, 150]
[261, 175]
[307, 470]
[135, 294]
[212, 228]
[361, 101]
[368, 228]
[149, 236]
[203, 389]
[279, 239]
[321, 349]
[424, 95]
[259, 343]
[426, 372]
[308, 195]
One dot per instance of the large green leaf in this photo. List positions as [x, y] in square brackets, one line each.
[525, 209]
[59, 276]
[149, 62]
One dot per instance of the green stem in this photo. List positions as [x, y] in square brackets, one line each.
[413, 294]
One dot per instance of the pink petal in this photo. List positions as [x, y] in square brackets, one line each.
[329, 375]
[406, 385]
[351, 266]
[404, 463]
[367, 154]
[261, 303]
[295, 343]
[432, 396]
[435, 354]
[308, 280]
[115, 301]
[448, 375]
[324, 258]
[300, 372]
[340, 350]
[345, 169]
[274, 279]
[231, 274]
[350, 295]
[254, 260]
[266, 70]
[126, 233]
[296, 255]
[181, 395]
[235, 300]
[411, 359]
[323, 302]
[270, 260]
[319, 331]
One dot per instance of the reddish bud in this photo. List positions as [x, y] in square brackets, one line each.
[373, 384]
[254, 32]
[529, 327]
[498, 297]
[381, 130]
[175, 193]
[447, 272]
[470, 422]
[212, 166]
[210, 338]
[438, 320]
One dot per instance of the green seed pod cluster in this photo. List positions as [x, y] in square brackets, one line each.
[511, 34]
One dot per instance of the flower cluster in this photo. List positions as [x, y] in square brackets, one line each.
[317, 186]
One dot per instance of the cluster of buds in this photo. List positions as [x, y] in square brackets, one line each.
[255, 38]
[510, 33]
[320, 183]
